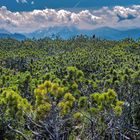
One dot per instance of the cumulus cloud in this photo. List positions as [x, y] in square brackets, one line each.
[125, 13]
[117, 16]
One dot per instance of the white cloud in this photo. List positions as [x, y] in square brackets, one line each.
[125, 13]
[32, 2]
[117, 16]
[21, 1]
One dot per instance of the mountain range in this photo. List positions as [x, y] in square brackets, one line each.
[6, 34]
[68, 32]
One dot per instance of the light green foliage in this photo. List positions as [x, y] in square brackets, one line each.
[13, 105]
[77, 116]
[82, 101]
[48, 94]
[118, 110]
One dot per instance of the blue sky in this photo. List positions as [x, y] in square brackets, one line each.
[30, 15]
[12, 5]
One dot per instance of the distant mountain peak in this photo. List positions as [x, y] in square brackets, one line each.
[6, 34]
[4, 31]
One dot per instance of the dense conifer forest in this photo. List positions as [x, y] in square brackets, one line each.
[77, 89]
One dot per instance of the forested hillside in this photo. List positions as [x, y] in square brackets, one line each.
[77, 89]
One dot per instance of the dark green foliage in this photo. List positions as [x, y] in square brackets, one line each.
[78, 79]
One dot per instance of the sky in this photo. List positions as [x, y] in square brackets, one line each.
[30, 15]
[29, 5]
